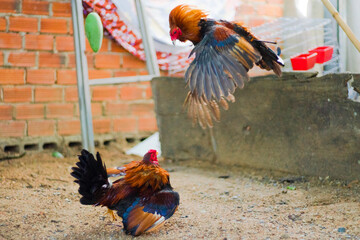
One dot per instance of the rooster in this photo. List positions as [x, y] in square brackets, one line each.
[143, 198]
[224, 53]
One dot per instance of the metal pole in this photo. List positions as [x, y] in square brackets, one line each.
[150, 54]
[82, 76]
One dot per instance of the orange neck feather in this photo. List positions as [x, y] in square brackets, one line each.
[187, 19]
[143, 176]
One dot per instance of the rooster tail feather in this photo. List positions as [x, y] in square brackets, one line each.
[91, 176]
[270, 60]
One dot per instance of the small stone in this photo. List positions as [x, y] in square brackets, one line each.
[285, 236]
[224, 176]
[342, 229]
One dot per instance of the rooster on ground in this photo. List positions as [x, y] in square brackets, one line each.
[224, 53]
[143, 198]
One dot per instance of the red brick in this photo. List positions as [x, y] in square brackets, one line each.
[72, 60]
[148, 93]
[66, 77]
[103, 48]
[10, 40]
[102, 125]
[59, 110]
[129, 61]
[11, 76]
[10, 6]
[117, 109]
[69, 127]
[90, 62]
[6, 112]
[131, 93]
[71, 94]
[245, 9]
[40, 76]
[102, 93]
[48, 94]
[23, 24]
[12, 129]
[2, 24]
[29, 111]
[35, 7]
[41, 128]
[64, 43]
[125, 73]
[53, 25]
[126, 124]
[148, 90]
[144, 72]
[1, 58]
[39, 42]
[116, 47]
[96, 110]
[256, 21]
[71, 27]
[107, 61]
[142, 109]
[270, 10]
[22, 59]
[147, 124]
[60, 9]
[97, 74]
[51, 60]
[17, 94]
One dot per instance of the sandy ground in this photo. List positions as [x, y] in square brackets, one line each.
[38, 200]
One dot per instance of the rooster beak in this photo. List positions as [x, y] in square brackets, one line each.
[157, 153]
[174, 42]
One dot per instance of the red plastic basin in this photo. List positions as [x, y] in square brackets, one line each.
[324, 53]
[304, 61]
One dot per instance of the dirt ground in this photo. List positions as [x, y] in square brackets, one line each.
[38, 200]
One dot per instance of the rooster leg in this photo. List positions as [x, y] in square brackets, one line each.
[112, 214]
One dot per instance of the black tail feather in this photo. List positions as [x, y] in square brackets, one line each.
[91, 175]
[270, 60]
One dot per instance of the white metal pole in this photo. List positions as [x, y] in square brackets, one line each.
[150, 54]
[82, 76]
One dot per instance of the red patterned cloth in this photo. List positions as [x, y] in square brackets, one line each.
[117, 29]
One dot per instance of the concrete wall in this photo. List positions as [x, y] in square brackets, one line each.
[298, 123]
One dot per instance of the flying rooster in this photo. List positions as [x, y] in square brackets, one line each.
[143, 198]
[224, 53]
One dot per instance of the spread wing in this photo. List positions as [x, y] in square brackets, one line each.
[222, 60]
[147, 215]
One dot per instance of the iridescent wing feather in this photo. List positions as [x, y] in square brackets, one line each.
[146, 215]
[222, 59]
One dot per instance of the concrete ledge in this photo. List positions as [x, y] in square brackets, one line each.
[299, 123]
[17, 147]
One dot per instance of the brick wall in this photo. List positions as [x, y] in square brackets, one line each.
[38, 94]
[256, 12]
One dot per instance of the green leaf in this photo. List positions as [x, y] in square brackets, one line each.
[94, 31]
